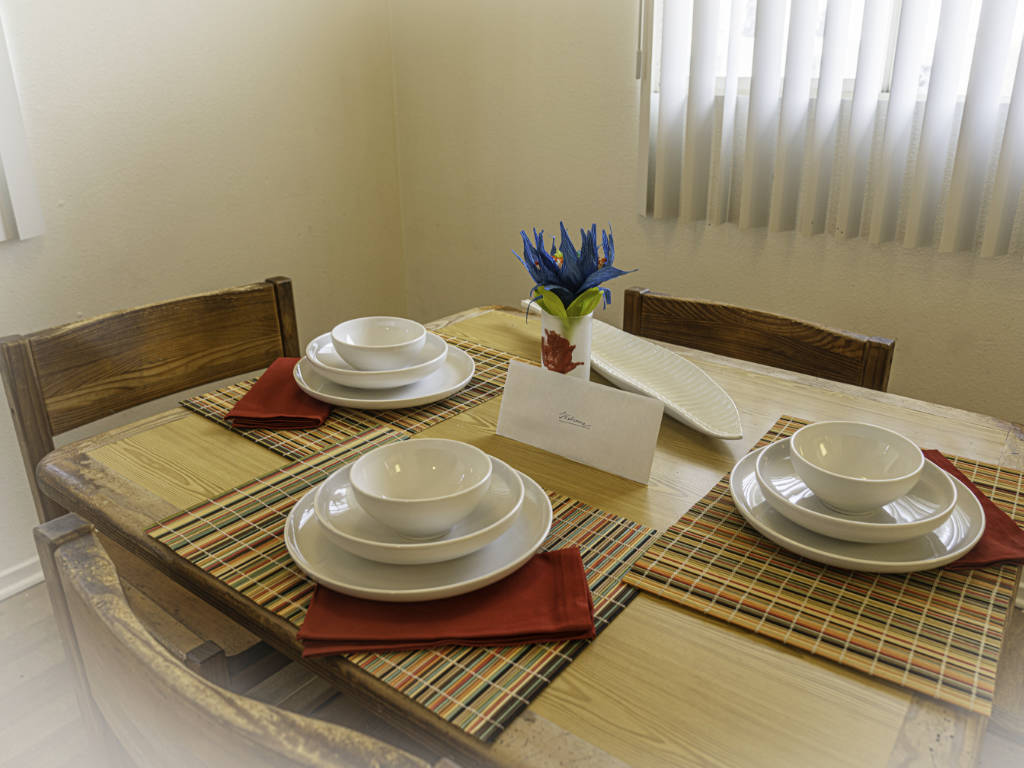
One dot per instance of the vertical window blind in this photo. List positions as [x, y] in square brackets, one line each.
[21, 215]
[891, 120]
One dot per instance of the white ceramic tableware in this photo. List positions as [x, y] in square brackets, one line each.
[853, 466]
[352, 529]
[332, 366]
[378, 343]
[324, 562]
[950, 541]
[928, 504]
[421, 488]
[454, 374]
[689, 394]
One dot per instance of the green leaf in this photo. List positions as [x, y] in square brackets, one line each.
[585, 303]
[550, 302]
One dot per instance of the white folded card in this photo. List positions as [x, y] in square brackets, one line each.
[606, 428]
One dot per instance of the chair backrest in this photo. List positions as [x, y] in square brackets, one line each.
[760, 337]
[138, 698]
[64, 377]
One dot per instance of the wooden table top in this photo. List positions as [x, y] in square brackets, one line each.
[662, 685]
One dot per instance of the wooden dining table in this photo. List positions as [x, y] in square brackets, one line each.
[662, 685]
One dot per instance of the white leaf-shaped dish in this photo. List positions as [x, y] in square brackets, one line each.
[689, 394]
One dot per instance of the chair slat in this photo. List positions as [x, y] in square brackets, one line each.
[97, 367]
[760, 337]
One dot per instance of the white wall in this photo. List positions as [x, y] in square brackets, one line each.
[191, 145]
[518, 115]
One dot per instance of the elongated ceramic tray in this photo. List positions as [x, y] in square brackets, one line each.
[690, 395]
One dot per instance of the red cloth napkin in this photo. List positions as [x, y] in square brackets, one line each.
[1003, 539]
[547, 599]
[276, 402]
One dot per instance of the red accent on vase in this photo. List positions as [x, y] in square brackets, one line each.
[556, 353]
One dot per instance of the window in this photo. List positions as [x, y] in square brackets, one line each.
[20, 213]
[888, 119]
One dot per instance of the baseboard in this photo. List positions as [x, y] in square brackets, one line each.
[20, 577]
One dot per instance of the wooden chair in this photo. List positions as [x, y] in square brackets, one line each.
[143, 707]
[760, 337]
[68, 376]
[65, 377]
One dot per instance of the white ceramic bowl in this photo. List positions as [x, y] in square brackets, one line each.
[854, 467]
[352, 529]
[923, 509]
[421, 488]
[333, 367]
[379, 343]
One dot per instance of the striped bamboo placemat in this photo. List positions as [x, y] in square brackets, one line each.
[238, 538]
[343, 423]
[938, 632]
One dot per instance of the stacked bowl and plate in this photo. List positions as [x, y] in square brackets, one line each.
[382, 363]
[857, 496]
[418, 519]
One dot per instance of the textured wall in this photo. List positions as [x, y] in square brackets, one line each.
[181, 147]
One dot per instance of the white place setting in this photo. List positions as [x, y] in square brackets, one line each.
[360, 531]
[379, 363]
[857, 496]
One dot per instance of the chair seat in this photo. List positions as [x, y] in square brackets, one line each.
[191, 630]
[194, 617]
[143, 706]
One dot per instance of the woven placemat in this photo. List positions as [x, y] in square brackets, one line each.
[937, 632]
[238, 538]
[491, 368]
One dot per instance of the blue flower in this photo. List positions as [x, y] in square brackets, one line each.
[569, 273]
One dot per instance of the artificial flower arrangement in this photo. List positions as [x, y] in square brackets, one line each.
[567, 281]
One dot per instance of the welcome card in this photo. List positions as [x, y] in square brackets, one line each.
[602, 427]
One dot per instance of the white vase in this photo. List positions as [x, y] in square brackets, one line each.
[565, 344]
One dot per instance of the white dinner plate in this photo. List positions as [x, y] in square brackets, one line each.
[452, 376]
[352, 528]
[928, 504]
[689, 394]
[332, 566]
[950, 541]
[332, 366]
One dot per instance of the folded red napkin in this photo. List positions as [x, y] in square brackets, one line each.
[547, 599]
[276, 402]
[1003, 539]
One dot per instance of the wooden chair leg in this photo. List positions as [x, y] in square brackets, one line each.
[209, 661]
[1008, 708]
[286, 315]
[48, 538]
